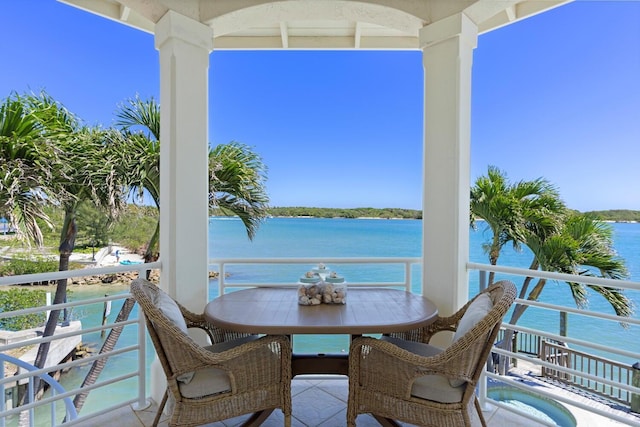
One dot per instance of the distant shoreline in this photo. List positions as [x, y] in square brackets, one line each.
[612, 215]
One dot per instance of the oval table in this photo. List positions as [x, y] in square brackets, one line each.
[275, 310]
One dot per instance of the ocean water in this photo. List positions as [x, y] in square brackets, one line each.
[315, 237]
[338, 237]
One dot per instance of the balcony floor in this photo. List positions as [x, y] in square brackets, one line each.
[322, 402]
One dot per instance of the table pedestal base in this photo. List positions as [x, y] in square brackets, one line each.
[329, 364]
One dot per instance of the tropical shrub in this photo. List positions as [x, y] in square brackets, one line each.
[20, 266]
[17, 299]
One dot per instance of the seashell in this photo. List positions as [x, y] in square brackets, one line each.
[312, 291]
[304, 300]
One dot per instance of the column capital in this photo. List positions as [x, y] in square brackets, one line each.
[458, 25]
[176, 26]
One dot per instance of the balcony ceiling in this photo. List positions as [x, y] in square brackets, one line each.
[316, 24]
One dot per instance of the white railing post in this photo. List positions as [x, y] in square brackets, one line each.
[31, 398]
[142, 402]
[407, 274]
[3, 396]
[482, 392]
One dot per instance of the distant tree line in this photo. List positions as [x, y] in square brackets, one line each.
[298, 211]
[617, 215]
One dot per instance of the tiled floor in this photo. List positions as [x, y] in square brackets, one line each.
[322, 402]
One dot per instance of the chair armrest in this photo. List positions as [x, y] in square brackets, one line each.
[215, 333]
[424, 334]
[385, 367]
[247, 365]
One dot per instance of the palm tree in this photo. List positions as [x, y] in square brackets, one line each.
[236, 173]
[236, 184]
[86, 172]
[532, 214]
[582, 247]
[511, 211]
[26, 160]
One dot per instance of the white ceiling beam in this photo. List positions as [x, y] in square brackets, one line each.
[124, 13]
[284, 34]
[315, 43]
[356, 36]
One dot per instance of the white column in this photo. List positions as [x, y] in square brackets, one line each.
[447, 47]
[184, 46]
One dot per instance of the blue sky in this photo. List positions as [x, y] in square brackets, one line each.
[554, 96]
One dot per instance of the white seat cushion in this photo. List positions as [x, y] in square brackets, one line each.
[430, 387]
[476, 311]
[170, 309]
[474, 314]
[206, 382]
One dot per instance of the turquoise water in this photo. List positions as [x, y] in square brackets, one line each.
[536, 406]
[313, 237]
[318, 237]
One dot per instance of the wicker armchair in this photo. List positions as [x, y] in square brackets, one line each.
[239, 374]
[403, 377]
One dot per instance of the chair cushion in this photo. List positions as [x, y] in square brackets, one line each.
[205, 382]
[170, 309]
[476, 311]
[474, 314]
[431, 387]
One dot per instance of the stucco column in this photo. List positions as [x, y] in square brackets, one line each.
[184, 46]
[447, 52]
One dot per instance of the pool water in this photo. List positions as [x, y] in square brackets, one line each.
[537, 406]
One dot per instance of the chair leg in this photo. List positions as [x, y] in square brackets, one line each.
[476, 403]
[156, 420]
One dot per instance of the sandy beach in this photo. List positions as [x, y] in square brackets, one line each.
[111, 255]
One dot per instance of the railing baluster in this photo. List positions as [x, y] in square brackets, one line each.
[3, 395]
[31, 397]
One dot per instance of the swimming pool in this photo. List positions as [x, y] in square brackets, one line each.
[533, 404]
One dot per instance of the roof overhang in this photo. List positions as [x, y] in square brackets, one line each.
[316, 24]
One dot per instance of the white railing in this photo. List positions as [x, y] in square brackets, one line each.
[31, 402]
[510, 273]
[291, 267]
[290, 270]
[138, 372]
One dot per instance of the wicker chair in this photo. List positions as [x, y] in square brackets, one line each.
[237, 375]
[402, 377]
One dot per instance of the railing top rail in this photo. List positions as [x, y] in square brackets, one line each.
[590, 280]
[82, 272]
[63, 305]
[316, 260]
[579, 311]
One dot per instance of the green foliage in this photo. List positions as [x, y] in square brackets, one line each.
[344, 213]
[617, 215]
[20, 266]
[17, 299]
[134, 226]
[93, 226]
